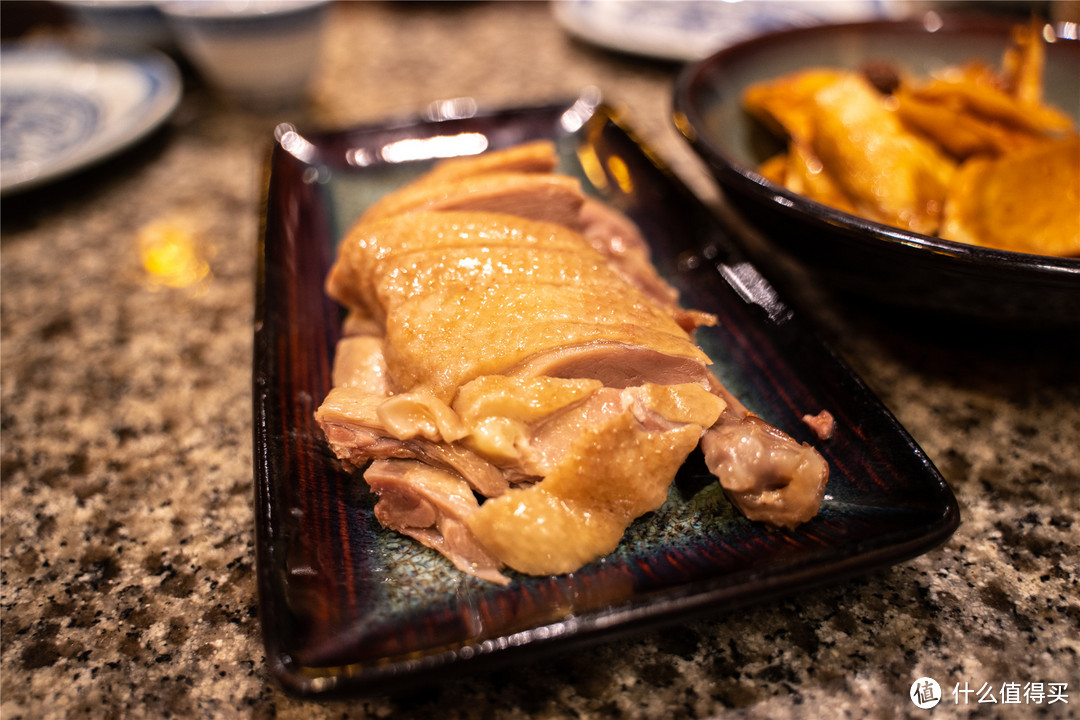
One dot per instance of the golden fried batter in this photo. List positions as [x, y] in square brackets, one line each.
[1025, 202]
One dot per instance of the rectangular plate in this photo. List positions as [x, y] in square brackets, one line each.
[349, 606]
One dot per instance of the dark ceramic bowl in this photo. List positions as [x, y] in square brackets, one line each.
[898, 267]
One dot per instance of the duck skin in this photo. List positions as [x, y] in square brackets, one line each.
[519, 387]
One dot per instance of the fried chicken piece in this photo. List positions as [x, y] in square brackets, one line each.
[1027, 201]
[889, 174]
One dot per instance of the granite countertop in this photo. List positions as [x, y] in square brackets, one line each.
[127, 493]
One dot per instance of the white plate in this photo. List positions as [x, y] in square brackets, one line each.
[62, 109]
[686, 30]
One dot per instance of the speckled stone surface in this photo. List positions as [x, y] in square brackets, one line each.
[127, 541]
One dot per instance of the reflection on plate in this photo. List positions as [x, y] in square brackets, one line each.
[62, 109]
[683, 30]
[349, 606]
[892, 266]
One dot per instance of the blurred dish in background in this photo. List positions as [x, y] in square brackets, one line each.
[257, 53]
[121, 22]
[684, 30]
[895, 266]
[62, 109]
[971, 153]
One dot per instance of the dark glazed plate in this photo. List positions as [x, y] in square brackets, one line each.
[348, 606]
[893, 266]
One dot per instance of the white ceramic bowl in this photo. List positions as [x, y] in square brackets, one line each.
[122, 22]
[258, 52]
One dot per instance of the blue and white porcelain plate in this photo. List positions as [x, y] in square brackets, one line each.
[687, 30]
[62, 109]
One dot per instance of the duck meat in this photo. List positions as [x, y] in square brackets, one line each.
[518, 384]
